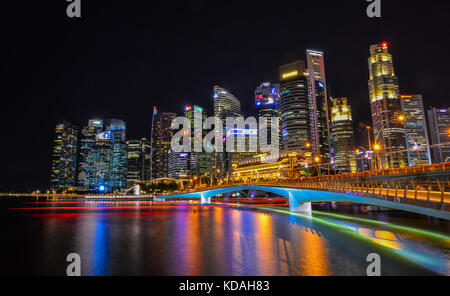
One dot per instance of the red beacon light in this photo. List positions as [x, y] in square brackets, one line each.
[384, 45]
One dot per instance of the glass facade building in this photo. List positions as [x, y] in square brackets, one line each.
[318, 104]
[138, 161]
[200, 161]
[267, 102]
[64, 160]
[416, 135]
[161, 143]
[439, 126]
[225, 105]
[87, 144]
[294, 105]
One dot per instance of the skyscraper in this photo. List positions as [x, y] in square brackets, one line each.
[179, 165]
[225, 105]
[119, 158]
[318, 104]
[138, 154]
[267, 101]
[439, 126]
[385, 108]
[100, 163]
[415, 130]
[161, 144]
[200, 162]
[343, 136]
[64, 162]
[294, 107]
[87, 143]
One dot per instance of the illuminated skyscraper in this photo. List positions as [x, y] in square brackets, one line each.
[318, 104]
[179, 165]
[64, 162]
[138, 154]
[385, 106]
[200, 162]
[343, 136]
[225, 105]
[294, 102]
[439, 125]
[267, 101]
[100, 163]
[119, 157]
[87, 143]
[415, 130]
[161, 144]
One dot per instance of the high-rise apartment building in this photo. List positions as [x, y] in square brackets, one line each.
[416, 134]
[64, 162]
[439, 127]
[138, 154]
[385, 108]
[318, 104]
[161, 143]
[294, 103]
[343, 136]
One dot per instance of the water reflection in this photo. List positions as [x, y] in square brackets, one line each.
[191, 239]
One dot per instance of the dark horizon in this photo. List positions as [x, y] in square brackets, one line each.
[121, 59]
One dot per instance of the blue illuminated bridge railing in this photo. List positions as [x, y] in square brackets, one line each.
[300, 199]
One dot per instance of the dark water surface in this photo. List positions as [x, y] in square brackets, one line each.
[146, 238]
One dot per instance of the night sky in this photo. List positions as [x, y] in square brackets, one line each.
[123, 57]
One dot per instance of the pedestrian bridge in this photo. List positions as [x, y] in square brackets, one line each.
[300, 199]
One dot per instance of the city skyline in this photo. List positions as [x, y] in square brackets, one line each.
[111, 87]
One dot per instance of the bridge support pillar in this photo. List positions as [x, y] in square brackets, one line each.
[299, 207]
[205, 200]
[302, 208]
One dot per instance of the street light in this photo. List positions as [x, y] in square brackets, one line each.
[377, 148]
[317, 160]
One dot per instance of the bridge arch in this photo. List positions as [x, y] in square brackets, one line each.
[300, 199]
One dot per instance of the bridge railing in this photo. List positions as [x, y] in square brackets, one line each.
[426, 193]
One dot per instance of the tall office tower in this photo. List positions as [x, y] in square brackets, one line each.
[385, 106]
[87, 143]
[100, 163]
[200, 161]
[267, 101]
[225, 105]
[343, 136]
[318, 104]
[138, 155]
[294, 103]
[439, 126]
[64, 162]
[119, 158]
[415, 130]
[179, 165]
[161, 144]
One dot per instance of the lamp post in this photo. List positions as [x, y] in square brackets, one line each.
[317, 160]
[377, 148]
